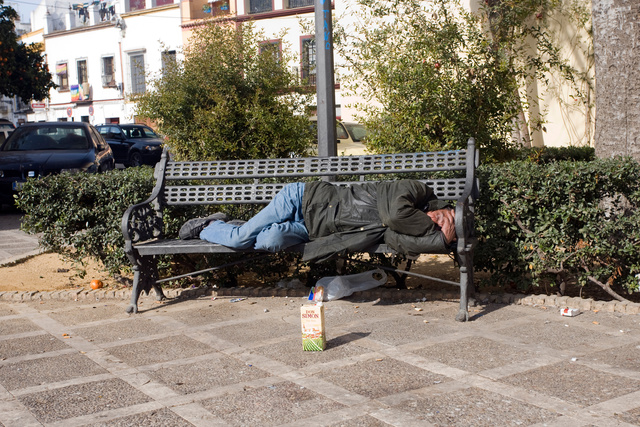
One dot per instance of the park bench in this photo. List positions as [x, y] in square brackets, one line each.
[452, 175]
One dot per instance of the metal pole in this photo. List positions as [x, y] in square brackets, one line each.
[325, 81]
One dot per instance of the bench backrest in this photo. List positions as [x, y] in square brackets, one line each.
[257, 181]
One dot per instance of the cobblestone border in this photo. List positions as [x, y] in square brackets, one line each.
[386, 294]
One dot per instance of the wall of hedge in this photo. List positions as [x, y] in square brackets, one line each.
[538, 222]
[557, 222]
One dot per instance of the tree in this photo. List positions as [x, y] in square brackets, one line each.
[433, 73]
[23, 71]
[616, 34]
[231, 97]
[430, 78]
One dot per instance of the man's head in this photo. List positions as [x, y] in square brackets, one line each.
[445, 219]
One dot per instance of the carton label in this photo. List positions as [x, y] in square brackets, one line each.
[313, 335]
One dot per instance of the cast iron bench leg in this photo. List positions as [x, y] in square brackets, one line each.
[466, 286]
[145, 276]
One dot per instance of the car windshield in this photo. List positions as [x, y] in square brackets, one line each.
[46, 138]
[139, 132]
[358, 132]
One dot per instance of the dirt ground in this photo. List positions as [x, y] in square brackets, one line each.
[48, 272]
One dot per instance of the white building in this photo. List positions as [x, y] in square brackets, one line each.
[100, 53]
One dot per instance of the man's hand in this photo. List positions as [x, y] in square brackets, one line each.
[445, 219]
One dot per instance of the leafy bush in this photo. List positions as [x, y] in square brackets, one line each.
[434, 73]
[538, 224]
[552, 154]
[79, 215]
[560, 222]
[232, 97]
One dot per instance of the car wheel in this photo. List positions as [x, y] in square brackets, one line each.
[135, 159]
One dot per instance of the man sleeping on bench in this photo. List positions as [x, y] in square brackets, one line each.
[333, 220]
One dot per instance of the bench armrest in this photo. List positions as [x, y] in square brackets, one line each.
[143, 221]
[464, 222]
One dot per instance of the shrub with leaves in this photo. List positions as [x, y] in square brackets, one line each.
[79, 215]
[560, 222]
[232, 97]
[433, 74]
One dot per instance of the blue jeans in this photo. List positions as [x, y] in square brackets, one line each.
[279, 225]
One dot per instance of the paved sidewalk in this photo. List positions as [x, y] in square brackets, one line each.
[15, 244]
[208, 361]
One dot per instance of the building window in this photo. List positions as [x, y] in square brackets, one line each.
[108, 71]
[63, 76]
[299, 3]
[136, 5]
[163, 2]
[136, 62]
[308, 65]
[257, 6]
[168, 61]
[83, 77]
[273, 47]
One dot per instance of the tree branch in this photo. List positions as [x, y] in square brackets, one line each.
[607, 289]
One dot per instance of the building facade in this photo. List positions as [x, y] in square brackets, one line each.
[102, 53]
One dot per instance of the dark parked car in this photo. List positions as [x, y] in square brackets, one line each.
[132, 145]
[39, 149]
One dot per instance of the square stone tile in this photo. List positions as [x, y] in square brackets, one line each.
[160, 418]
[5, 310]
[364, 421]
[627, 323]
[136, 326]
[474, 354]
[72, 401]
[574, 383]
[630, 417]
[492, 313]
[204, 312]
[256, 331]
[47, 370]
[30, 345]
[211, 374]
[378, 378]
[17, 326]
[475, 407]
[339, 314]
[559, 335]
[91, 312]
[290, 351]
[272, 405]
[627, 357]
[160, 350]
[412, 326]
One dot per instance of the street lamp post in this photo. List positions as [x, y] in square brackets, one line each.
[325, 81]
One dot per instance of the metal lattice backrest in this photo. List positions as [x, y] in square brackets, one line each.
[318, 166]
[254, 191]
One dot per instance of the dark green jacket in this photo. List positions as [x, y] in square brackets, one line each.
[352, 219]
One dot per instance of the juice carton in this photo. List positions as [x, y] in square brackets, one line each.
[313, 334]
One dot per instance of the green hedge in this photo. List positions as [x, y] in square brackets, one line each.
[561, 221]
[79, 215]
[538, 223]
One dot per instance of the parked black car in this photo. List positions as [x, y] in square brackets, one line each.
[132, 144]
[39, 149]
